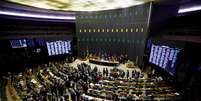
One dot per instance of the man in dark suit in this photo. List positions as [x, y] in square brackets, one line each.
[127, 74]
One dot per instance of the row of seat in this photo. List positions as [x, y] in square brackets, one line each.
[3, 90]
[136, 90]
[58, 81]
[10, 91]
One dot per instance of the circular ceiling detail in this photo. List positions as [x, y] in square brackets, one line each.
[80, 5]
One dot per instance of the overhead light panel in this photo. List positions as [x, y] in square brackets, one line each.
[32, 15]
[80, 5]
[189, 9]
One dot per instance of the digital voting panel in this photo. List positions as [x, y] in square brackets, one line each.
[59, 47]
[164, 57]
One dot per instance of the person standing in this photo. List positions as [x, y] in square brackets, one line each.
[123, 74]
[127, 74]
[72, 93]
[77, 95]
[106, 72]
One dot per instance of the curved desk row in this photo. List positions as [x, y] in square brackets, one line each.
[104, 62]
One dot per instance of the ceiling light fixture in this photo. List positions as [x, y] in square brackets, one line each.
[189, 9]
[32, 15]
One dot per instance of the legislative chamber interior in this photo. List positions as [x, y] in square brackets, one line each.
[100, 50]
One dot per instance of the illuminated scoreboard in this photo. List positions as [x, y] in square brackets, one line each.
[164, 57]
[18, 43]
[58, 47]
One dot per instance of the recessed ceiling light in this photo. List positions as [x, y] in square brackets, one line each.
[44, 16]
[189, 9]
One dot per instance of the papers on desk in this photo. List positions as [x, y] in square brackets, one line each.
[176, 93]
[51, 73]
[33, 81]
[94, 98]
[22, 83]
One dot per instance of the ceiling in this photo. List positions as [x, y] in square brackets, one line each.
[80, 5]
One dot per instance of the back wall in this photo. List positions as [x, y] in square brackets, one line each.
[114, 32]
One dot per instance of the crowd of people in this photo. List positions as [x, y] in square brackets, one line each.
[58, 81]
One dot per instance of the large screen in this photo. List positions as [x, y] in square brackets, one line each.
[164, 57]
[30, 43]
[18, 43]
[40, 41]
[59, 47]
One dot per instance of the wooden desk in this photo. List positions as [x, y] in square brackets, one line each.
[104, 62]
